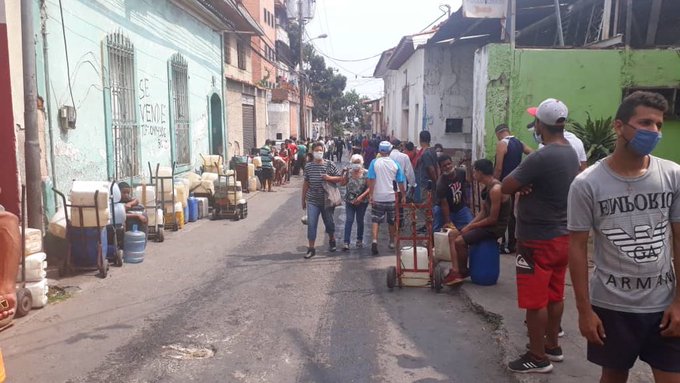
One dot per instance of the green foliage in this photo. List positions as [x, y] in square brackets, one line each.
[598, 136]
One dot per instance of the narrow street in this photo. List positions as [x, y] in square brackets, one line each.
[235, 302]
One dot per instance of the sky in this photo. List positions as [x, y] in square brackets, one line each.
[359, 29]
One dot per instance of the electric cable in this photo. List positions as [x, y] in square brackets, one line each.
[68, 65]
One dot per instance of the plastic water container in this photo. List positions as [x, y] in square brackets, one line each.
[118, 216]
[146, 195]
[82, 193]
[251, 170]
[135, 244]
[38, 293]
[411, 278]
[166, 184]
[193, 208]
[442, 247]
[84, 246]
[257, 161]
[186, 214]
[485, 263]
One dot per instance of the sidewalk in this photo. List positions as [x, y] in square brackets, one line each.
[498, 304]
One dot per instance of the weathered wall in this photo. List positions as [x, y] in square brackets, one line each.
[448, 92]
[588, 81]
[279, 120]
[9, 176]
[234, 119]
[261, 117]
[158, 29]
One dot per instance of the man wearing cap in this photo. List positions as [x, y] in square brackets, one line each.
[542, 235]
[574, 141]
[382, 173]
[509, 150]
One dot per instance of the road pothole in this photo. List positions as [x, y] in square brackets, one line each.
[188, 352]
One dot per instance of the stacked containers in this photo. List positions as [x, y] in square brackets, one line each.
[86, 232]
[36, 266]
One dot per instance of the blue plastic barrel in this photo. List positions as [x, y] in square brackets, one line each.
[186, 213]
[192, 204]
[84, 245]
[485, 263]
[135, 245]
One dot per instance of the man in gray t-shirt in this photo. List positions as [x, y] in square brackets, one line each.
[542, 241]
[629, 201]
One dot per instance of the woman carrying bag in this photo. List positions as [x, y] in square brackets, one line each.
[320, 196]
[356, 200]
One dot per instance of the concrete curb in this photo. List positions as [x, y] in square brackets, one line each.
[500, 334]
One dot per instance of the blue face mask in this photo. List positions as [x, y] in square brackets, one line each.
[644, 141]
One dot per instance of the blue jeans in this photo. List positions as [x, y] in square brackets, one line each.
[460, 219]
[313, 212]
[352, 212]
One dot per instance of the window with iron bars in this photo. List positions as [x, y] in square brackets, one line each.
[180, 104]
[241, 55]
[124, 125]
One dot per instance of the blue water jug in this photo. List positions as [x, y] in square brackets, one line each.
[186, 213]
[192, 204]
[135, 244]
[485, 263]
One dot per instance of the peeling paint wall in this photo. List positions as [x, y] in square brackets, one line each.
[449, 92]
[588, 81]
[158, 29]
[405, 120]
[279, 119]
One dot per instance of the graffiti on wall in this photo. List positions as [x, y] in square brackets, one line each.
[153, 116]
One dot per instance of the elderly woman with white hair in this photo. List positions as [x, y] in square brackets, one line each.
[356, 199]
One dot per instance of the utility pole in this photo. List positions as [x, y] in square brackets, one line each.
[303, 133]
[31, 141]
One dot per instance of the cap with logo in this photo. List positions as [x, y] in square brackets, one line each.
[385, 146]
[551, 112]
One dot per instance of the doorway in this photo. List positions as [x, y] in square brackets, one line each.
[216, 129]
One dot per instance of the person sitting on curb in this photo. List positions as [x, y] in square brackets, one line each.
[490, 222]
[451, 192]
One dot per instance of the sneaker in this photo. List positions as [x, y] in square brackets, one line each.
[560, 334]
[553, 354]
[331, 245]
[374, 248]
[391, 245]
[528, 364]
[360, 245]
[310, 252]
[345, 247]
[453, 278]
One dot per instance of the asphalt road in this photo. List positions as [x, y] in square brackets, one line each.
[231, 301]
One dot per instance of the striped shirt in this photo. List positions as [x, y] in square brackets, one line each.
[313, 173]
[266, 155]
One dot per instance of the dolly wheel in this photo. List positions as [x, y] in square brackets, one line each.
[391, 277]
[160, 234]
[438, 278]
[24, 302]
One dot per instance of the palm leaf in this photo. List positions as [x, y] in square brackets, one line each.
[598, 136]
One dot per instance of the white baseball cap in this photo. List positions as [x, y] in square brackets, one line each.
[551, 112]
[385, 146]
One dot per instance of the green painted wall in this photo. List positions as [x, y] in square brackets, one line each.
[588, 81]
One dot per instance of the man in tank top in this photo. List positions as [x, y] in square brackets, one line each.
[509, 151]
[490, 222]
[630, 202]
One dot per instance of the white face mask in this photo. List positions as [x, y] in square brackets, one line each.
[317, 155]
[356, 166]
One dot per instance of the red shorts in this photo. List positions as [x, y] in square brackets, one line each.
[541, 266]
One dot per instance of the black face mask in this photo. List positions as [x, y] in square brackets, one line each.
[531, 125]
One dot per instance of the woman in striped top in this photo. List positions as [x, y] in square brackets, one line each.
[316, 173]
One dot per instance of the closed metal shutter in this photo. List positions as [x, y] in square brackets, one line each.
[248, 128]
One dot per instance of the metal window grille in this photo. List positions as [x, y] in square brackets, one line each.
[241, 53]
[180, 99]
[124, 125]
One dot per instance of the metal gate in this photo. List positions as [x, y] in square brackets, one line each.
[248, 128]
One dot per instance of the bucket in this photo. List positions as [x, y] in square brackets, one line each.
[485, 263]
[135, 244]
[411, 278]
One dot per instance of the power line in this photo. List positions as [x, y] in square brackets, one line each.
[349, 60]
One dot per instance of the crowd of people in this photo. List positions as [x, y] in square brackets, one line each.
[542, 206]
